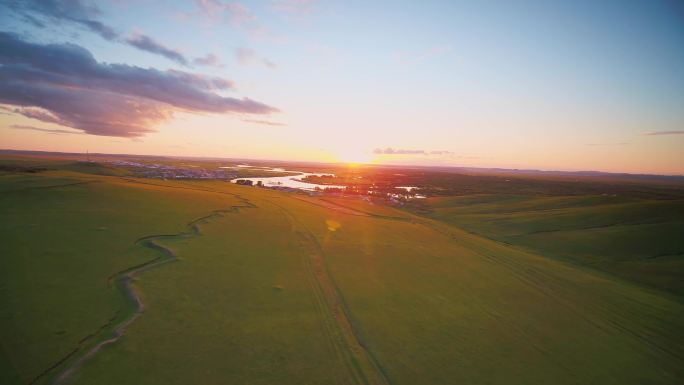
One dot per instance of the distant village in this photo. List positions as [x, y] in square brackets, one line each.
[164, 171]
[395, 195]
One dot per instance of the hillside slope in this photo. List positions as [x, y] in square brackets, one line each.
[263, 287]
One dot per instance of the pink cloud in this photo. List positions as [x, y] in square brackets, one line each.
[64, 84]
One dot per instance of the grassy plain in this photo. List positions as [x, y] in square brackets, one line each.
[273, 287]
[638, 239]
[64, 234]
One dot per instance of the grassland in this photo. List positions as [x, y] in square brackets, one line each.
[637, 239]
[255, 286]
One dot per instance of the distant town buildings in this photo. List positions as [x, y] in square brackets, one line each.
[394, 195]
[163, 171]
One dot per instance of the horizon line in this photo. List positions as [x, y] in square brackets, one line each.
[520, 170]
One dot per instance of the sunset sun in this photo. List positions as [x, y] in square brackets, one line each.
[354, 157]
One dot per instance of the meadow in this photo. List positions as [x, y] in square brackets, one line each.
[109, 279]
[637, 239]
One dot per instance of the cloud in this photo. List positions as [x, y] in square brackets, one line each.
[48, 130]
[246, 56]
[236, 15]
[64, 84]
[293, 7]
[239, 15]
[217, 11]
[101, 29]
[146, 43]
[38, 114]
[209, 60]
[608, 144]
[73, 11]
[392, 151]
[398, 151]
[40, 13]
[263, 122]
[657, 133]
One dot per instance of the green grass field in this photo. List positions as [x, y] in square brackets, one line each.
[255, 286]
[640, 240]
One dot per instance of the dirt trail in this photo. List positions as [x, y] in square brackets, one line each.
[348, 210]
[360, 367]
[358, 364]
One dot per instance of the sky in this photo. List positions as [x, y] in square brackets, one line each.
[552, 85]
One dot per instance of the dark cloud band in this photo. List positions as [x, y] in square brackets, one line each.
[41, 129]
[72, 11]
[659, 133]
[146, 43]
[75, 12]
[63, 83]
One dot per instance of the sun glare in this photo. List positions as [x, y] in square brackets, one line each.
[354, 157]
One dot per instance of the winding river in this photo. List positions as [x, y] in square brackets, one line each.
[290, 181]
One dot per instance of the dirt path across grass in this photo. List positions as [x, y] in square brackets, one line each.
[348, 210]
[360, 366]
